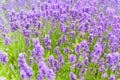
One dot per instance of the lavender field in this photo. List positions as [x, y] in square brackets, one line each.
[59, 40]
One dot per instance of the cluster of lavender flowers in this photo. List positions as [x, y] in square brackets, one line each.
[25, 70]
[44, 71]
[3, 34]
[87, 30]
[47, 41]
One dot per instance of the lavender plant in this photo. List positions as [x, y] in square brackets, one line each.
[59, 40]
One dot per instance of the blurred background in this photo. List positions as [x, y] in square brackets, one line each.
[8, 5]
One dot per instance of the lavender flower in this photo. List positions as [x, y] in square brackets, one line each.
[25, 70]
[72, 76]
[56, 65]
[96, 52]
[64, 38]
[77, 49]
[118, 65]
[3, 57]
[50, 60]
[7, 40]
[113, 43]
[38, 48]
[86, 60]
[78, 64]
[113, 68]
[56, 50]
[44, 71]
[82, 78]
[83, 70]
[47, 40]
[59, 42]
[67, 50]
[102, 68]
[72, 34]
[112, 77]
[112, 58]
[82, 46]
[51, 75]
[108, 60]
[72, 58]
[104, 75]
[101, 62]
[61, 59]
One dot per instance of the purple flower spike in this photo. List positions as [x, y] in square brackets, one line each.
[50, 60]
[72, 76]
[38, 48]
[112, 77]
[56, 64]
[78, 64]
[104, 75]
[47, 40]
[83, 70]
[102, 68]
[82, 78]
[101, 62]
[86, 60]
[72, 34]
[51, 75]
[77, 49]
[112, 58]
[72, 58]
[61, 59]
[67, 50]
[95, 55]
[7, 40]
[25, 70]
[3, 57]
[56, 50]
